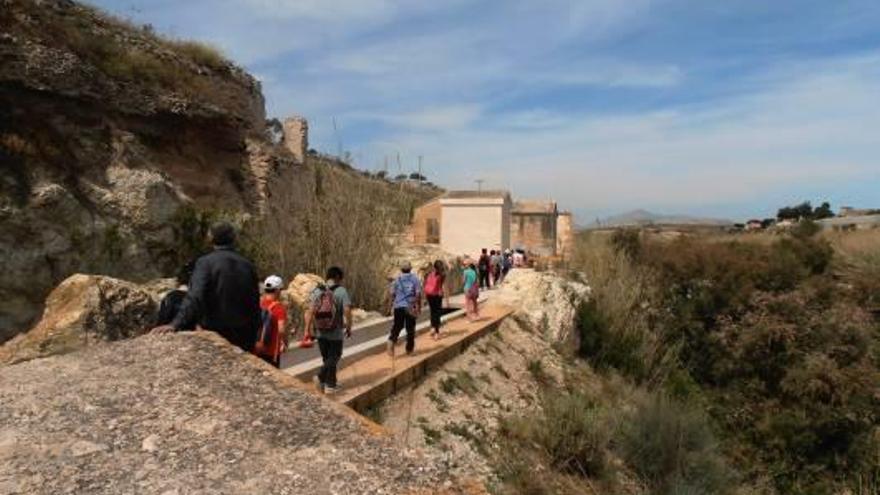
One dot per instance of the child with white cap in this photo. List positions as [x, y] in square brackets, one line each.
[271, 339]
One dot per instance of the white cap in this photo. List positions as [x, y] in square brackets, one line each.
[273, 282]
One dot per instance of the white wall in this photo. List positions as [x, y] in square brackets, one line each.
[468, 225]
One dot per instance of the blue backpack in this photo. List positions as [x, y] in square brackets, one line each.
[266, 326]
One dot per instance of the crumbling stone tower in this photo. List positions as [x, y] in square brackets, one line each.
[296, 137]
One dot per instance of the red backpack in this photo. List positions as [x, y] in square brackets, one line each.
[434, 284]
[325, 310]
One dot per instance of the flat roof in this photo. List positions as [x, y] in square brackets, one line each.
[496, 194]
[529, 206]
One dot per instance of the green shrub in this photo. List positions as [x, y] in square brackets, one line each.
[202, 53]
[460, 381]
[572, 430]
[627, 242]
[536, 368]
[605, 348]
[671, 447]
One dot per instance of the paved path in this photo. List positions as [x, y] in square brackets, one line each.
[374, 377]
[360, 335]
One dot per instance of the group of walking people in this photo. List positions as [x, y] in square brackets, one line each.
[221, 292]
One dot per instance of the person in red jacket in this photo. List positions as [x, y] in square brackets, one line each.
[272, 339]
[434, 285]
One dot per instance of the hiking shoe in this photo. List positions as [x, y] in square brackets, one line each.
[390, 346]
[331, 390]
[319, 387]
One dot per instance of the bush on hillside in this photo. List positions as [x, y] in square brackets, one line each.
[604, 348]
[617, 327]
[571, 430]
[774, 337]
[627, 242]
[671, 447]
[800, 375]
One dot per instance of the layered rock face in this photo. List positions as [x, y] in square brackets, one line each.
[108, 135]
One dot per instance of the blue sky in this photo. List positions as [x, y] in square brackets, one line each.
[708, 108]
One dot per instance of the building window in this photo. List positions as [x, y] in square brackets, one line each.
[433, 231]
[547, 228]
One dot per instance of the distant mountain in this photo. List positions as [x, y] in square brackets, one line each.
[644, 217]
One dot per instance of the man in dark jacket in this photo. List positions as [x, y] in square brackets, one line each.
[223, 293]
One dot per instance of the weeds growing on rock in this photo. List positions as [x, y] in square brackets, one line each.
[536, 368]
[463, 431]
[460, 381]
[438, 401]
[432, 436]
[500, 370]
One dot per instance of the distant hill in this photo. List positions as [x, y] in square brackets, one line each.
[644, 217]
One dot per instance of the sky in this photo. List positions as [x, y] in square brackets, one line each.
[710, 108]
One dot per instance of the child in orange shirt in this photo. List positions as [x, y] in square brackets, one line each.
[271, 339]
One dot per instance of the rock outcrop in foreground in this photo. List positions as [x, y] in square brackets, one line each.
[85, 310]
[188, 413]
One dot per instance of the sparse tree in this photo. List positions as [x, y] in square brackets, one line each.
[803, 210]
[823, 211]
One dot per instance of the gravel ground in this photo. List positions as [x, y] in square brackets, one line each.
[189, 414]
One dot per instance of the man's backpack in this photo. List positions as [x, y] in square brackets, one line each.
[266, 327]
[325, 310]
[484, 263]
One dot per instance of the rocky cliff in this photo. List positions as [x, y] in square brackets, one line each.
[109, 136]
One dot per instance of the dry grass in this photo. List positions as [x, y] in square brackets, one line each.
[624, 296]
[332, 216]
[200, 52]
[125, 51]
[857, 262]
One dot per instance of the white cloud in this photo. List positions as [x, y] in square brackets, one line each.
[333, 11]
[610, 73]
[815, 125]
[439, 118]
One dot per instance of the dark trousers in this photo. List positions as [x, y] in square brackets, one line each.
[484, 279]
[436, 305]
[271, 360]
[403, 318]
[331, 353]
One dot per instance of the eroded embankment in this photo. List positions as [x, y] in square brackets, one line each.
[454, 413]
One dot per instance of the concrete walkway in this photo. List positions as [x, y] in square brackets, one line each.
[366, 338]
[373, 377]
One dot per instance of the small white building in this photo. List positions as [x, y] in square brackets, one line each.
[475, 220]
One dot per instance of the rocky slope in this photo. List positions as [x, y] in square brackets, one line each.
[188, 413]
[454, 413]
[107, 134]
